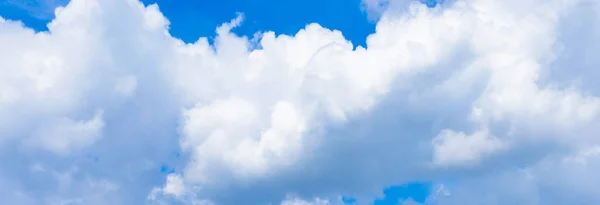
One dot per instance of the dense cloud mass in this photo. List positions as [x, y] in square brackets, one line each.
[493, 102]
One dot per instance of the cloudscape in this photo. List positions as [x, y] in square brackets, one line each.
[455, 102]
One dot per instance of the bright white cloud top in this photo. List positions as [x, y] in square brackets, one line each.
[497, 102]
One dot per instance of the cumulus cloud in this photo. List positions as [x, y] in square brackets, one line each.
[480, 83]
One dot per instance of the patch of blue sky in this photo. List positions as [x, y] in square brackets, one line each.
[431, 3]
[166, 169]
[192, 19]
[418, 192]
[348, 200]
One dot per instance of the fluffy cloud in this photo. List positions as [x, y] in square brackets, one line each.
[458, 95]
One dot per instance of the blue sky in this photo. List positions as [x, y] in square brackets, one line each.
[191, 19]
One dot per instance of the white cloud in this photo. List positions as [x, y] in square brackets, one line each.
[296, 201]
[62, 135]
[174, 185]
[452, 148]
[309, 114]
